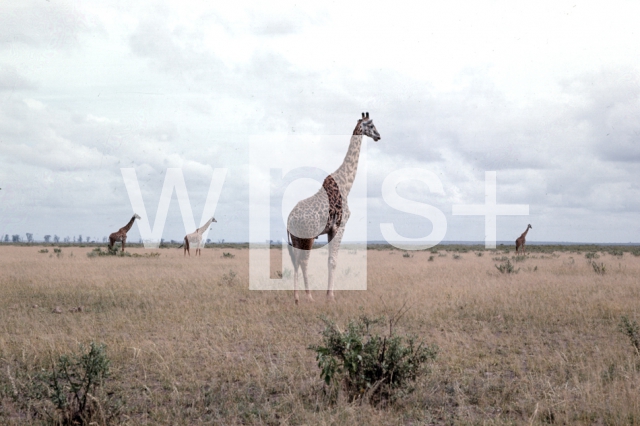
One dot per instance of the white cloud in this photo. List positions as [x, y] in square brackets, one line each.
[533, 92]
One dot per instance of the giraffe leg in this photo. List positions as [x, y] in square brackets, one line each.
[334, 247]
[304, 263]
[123, 241]
[294, 260]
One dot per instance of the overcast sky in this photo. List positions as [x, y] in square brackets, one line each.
[546, 94]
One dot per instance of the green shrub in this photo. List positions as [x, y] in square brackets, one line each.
[98, 252]
[228, 279]
[631, 330]
[430, 259]
[406, 254]
[146, 255]
[44, 251]
[598, 269]
[73, 381]
[507, 268]
[286, 274]
[592, 255]
[369, 367]
[228, 255]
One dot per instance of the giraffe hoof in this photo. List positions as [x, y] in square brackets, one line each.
[297, 302]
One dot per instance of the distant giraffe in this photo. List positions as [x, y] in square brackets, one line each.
[521, 240]
[121, 235]
[326, 212]
[195, 238]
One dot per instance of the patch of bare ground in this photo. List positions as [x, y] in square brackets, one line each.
[187, 346]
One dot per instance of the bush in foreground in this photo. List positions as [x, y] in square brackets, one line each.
[369, 367]
[72, 383]
[632, 331]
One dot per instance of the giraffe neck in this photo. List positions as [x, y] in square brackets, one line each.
[346, 173]
[129, 225]
[204, 227]
[525, 233]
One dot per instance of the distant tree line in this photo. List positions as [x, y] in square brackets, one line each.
[17, 238]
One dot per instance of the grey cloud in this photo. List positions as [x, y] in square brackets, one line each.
[281, 24]
[610, 106]
[10, 79]
[52, 24]
[174, 51]
[477, 124]
[275, 86]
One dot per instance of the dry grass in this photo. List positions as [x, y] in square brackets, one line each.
[189, 343]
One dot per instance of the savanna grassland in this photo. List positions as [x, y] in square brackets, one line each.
[188, 343]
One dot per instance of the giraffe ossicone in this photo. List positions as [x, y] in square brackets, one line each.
[326, 212]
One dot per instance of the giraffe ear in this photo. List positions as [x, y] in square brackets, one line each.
[367, 115]
[363, 115]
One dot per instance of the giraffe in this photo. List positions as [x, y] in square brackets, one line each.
[121, 235]
[326, 212]
[521, 240]
[195, 238]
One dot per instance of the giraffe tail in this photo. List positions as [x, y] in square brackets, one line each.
[186, 241]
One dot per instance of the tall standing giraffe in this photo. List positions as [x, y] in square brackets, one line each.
[326, 212]
[521, 240]
[121, 234]
[195, 238]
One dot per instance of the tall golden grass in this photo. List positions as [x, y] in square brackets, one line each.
[189, 343]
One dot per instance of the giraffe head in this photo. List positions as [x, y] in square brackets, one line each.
[368, 128]
[529, 226]
[135, 216]
[213, 219]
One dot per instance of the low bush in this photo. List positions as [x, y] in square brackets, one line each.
[228, 279]
[599, 269]
[507, 268]
[631, 330]
[369, 367]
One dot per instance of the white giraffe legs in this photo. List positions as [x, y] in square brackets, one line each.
[300, 259]
[334, 248]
